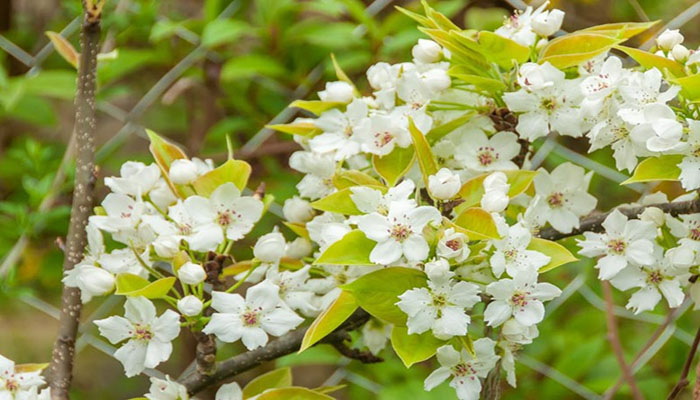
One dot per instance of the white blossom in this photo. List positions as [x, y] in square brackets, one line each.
[466, 370]
[511, 253]
[444, 184]
[166, 389]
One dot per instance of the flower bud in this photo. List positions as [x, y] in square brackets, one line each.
[669, 38]
[297, 210]
[444, 185]
[96, 281]
[426, 51]
[495, 197]
[680, 53]
[653, 215]
[337, 91]
[436, 80]
[380, 76]
[496, 181]
[166, 246]
[541, 43]
[182, 171]
[299, 248]
[191, 273]
[270, 248]
[190, 306]
[548, 23]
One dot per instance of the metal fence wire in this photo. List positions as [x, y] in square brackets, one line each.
[129, 121]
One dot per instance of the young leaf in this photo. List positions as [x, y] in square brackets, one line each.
[306, 129]
[134, 285]
[473, 190]
[348, 178]
[477, 223]
[299, 229]
[64, 48]
[342, 76]
[340, 202]
[353, 249]
[690, 86]
[394, 165]
[443, 130]
[489, 85]
[426, 160]
[235, 171]
[316, 106]
[650, 60]
[662, 168]
[623, 30]
[163, 151]
[329, 319]
[573, 49]
[293, 393]
[502, 51]
[220, 31]
[413, 348]
[379, 291]
[278, 378]
[30, 367]
[559, 255]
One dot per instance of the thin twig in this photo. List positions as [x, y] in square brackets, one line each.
[85, 124]
[683, 380]
[614, 338]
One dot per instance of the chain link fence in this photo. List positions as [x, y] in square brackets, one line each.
[130, 125]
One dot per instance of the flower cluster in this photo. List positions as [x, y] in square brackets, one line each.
[419, 203]
[22, 382]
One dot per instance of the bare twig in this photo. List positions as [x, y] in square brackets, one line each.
[683, 380]
[595, 223]
[338, 342]
[614, 338]
[287, 344]
[85, 122]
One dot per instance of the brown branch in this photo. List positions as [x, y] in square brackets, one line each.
[338, 342]
[683, 380]
[614, 338]
[594, 223]
[84, 132]
[287, 344]
[492, 383]
[696, 388]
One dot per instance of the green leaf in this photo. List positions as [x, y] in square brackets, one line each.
[220, 31]
[690, 86]
[623, 30]
[339, 73]
[575, 48]
[331, 318]
[299, 229]
[426, 160]
[489, 85]
[502, 51]
[413, 348]
[134, 285]
[394, 165]
[341, 202]
[30, 367]
[662, 168]
[316, 106]
[650, 60]
[293, 393]
[379, 291]
[466, 52]
[353, 249]
[476, 223]
[277, 378]
[306, 129]
[163, 151]
[349, 178]
[235, 171]
[559, 255]
[64, 48]
[473, 190]
[443, 130]
[249, 65]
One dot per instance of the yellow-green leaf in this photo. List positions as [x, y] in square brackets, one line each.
[349, 178]
[31, 367]
[503, 51]
[306, 129]
[134, 285]
[163, 151]
[394, 165]
[353, 249]
[339, 73]
[489, 85]
[623, 30]
[299, 229]
[234, 171]
[379, 291]
[662, 168]
[413, 348]
[473, 190]
[331, 318]
[278, 378]
[650, 60]
[341, 201]
[690, 86]
[477, 223]
[443, 130]
[316, 106]
[426, 160]
[64, 48]
[575, 48]
[293, 393]
[558, 254]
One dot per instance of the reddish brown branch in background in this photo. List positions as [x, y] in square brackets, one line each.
[683, 380]
[61, 372]
[614, 338]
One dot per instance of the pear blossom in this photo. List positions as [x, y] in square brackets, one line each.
[184, 171]
[520, 297]
[690, 166]
[370, 200]
[375, 335]
[339, 91]
[481, 153]
[453, 245]
[547, 23]
[191, 273]
[669, 38]
[319, 169]
[270, 247]
[297, 210]
[444, 184]
[399, 233]
[380, 134]
[466, 370]
[519, 26]
[641, 89]
[15, 383]
[441, 306]
[565, 195]
[293, 290]
[624, 242]
[166, 389]
[426, 51]
[147, 337]
[338, 128]
[123, 214]
[298, 248]
[252, 318]
[496, 188]
[225, 214]
[660, 129]
[190, 306]
[229, 391]
[511, 253]
[687, 229]
[327, 228]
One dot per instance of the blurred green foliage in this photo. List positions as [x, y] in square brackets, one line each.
[248, 68]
